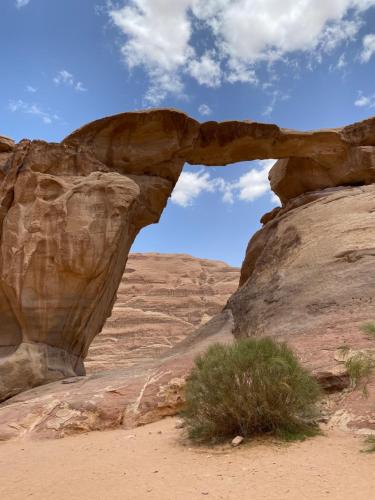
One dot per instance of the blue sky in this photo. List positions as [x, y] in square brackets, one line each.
[299, 63]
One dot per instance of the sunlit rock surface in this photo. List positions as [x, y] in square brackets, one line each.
[161, 300]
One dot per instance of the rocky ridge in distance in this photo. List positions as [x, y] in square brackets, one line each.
[161, 300]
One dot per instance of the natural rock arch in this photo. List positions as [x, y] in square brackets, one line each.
[70, 212]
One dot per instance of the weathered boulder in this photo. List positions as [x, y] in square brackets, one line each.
[6, 144]
[310, 270]
[161, 300]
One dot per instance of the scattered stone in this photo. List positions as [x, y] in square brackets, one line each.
[237, 441]
[334, 380]
[180, 424]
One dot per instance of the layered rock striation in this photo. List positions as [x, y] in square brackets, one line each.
[70, 212]
[161, 300]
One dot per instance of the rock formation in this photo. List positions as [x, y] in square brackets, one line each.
[161, 300]
[309, 271]
[70, 212]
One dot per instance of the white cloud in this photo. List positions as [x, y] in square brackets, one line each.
[22, 3]
[341, 63]
[364, 101]
[204, 110]
[239, 72]
[190, 185]
[158, 34]
[368, 51]
[79, 86]
[249, 187]
[32, 109]
[239, 35]
[206, 70]
[31, 89]
[63, 77]
[162, 85]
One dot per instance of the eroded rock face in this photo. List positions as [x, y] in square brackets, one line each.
[6, 144]
[69, 213]
[308, 279]
[310, 269]
[68, 219]
[161, 300]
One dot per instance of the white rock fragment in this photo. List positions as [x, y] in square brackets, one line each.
[237, 440]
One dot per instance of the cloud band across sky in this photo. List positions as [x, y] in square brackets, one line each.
[161, 37]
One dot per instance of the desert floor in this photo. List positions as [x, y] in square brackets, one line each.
[156, 462]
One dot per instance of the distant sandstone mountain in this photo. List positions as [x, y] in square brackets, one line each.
[161, 300]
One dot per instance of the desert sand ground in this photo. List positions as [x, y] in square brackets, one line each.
[156, 462]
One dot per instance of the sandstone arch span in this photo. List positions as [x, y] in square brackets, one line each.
[70, 212]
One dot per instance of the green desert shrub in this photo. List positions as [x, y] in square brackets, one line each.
[369, 329]
[251, 387]
[359, 368]
[370, 444]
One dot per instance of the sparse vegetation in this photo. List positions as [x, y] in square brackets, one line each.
[370, 444]
[369, 329]
[344, 349]
[359, 368]
[252, 387]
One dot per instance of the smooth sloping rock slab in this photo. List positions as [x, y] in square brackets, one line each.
[118, 398]
[127, 398]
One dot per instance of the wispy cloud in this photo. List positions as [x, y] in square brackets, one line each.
[63, 77]
[158, 37]
[276, 96]
[248, 187]
[205, 110]
[32, 109]
[31, 89]
[368, 47]
[365, 101]
[341, 63]
[22, 3]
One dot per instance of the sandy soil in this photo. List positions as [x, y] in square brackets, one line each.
[155, 462]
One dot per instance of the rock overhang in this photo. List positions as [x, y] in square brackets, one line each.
[308, 160]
